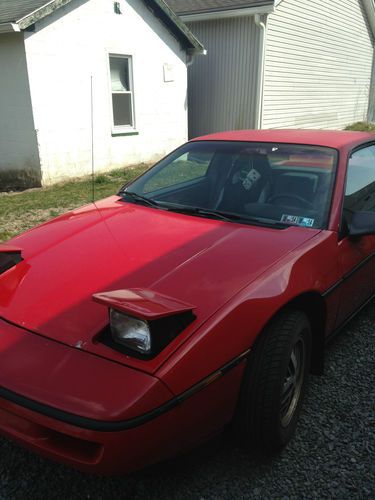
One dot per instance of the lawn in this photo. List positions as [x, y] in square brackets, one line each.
[24, 210]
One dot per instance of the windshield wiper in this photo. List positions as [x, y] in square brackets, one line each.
[229, 216]
[205, 213]
[139, 197]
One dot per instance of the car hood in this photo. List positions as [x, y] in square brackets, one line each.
[114, 245]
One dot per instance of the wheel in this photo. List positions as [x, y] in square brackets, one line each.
[274, 382]
[294, 197]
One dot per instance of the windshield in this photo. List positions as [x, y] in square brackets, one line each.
[273, 183]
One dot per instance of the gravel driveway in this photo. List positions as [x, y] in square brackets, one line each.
[332, 455]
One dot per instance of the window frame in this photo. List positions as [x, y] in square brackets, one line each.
[343, 233]
[336, 154]
[122, 129]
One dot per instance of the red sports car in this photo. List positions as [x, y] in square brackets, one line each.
[202, 294]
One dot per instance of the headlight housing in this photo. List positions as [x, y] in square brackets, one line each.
[142, 322]
[132, 333]
[140, 338]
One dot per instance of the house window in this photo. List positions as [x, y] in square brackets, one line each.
[122, 91]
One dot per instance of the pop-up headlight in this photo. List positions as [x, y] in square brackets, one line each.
[130, 332]
[9, 257]
[142, 322]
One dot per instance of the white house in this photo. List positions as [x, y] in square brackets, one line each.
[280, 63]
[81, 73]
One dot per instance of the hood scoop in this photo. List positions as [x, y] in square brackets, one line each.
[9, 257]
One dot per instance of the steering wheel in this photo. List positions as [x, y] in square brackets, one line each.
[294, 197]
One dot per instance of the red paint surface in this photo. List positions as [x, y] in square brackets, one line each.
[328, 138]
[194, 260]
[141, 303]
[236, 276]
[5, 248]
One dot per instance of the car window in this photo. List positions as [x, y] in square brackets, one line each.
[360, 182]
[186, 167]
[271, 183]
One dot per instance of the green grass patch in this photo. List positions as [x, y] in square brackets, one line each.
[24, 210]
[176, 172]
[361, 127]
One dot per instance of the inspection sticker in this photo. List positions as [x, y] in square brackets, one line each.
[297, 220]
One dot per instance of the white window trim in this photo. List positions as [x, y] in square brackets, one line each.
[121, 129]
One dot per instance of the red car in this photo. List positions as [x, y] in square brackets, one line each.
[202, 294]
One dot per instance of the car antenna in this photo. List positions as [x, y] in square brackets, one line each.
[92, 140]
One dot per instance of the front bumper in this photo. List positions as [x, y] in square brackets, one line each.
[54, 401]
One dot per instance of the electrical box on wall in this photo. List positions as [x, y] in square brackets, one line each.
[168, 72]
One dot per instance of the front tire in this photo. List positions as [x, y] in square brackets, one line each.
[275, 381]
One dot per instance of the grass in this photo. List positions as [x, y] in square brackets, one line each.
[362, 127]
[24, 210]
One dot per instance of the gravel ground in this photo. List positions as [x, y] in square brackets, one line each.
[332, 455]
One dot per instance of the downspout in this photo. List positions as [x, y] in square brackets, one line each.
[261, 64]
[189, 61]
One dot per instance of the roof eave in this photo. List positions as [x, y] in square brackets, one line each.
[191, 44]
[266, 8]
[172, 21]
[40, 13]
[225, 14]
[9, 27]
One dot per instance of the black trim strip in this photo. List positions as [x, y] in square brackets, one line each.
[333, 287]
[349, 274]
[107, 426]
[352, 316]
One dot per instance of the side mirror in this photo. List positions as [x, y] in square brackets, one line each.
[362, 223]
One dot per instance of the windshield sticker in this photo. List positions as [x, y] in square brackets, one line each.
[297, 220]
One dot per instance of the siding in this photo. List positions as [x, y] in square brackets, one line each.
[371, 107]
[318, 64]
[222, 85]
[19, 159]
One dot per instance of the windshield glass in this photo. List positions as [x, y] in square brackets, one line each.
[277, 183]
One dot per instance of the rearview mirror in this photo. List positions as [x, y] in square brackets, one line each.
[362, 223]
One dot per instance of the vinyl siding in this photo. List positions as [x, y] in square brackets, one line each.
[19, 159]
[318, 65]
[371, 107]
[222, 85]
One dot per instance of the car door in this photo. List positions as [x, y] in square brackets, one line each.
[357, 254]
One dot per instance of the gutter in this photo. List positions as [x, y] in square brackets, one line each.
[369, 6]
[261, 64]
[225, 14]
[9, 28]
[41, 12]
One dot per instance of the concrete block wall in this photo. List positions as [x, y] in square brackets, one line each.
[73, 44]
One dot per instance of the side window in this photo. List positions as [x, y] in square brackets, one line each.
[122, 91]
[185, 168]
[360, 182]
